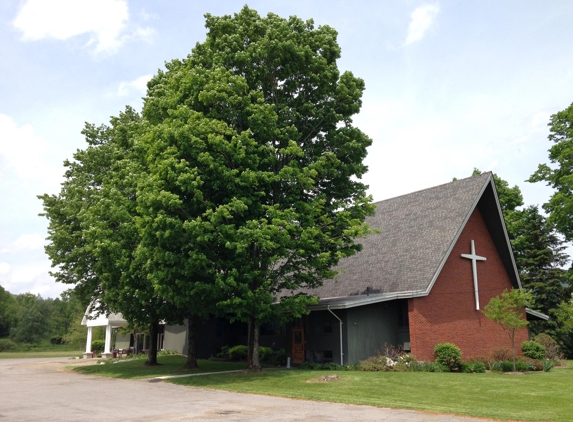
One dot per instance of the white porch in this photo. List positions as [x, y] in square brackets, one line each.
[110, 322]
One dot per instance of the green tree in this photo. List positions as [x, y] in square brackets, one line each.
[540, 256]
[92, 229]
[560, 175]
[564, 314]
[34, 321]
[9, 311]
[508, 310]
[254, 167]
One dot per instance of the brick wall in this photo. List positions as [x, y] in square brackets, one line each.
[448, 313]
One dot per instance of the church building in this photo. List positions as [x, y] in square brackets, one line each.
[440, 255]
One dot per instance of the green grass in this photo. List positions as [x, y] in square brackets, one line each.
[169, 365]
[536, 396]
[43, 351]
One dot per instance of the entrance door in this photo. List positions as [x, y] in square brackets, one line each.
[298, 345]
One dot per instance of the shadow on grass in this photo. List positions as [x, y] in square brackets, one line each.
[168, 365]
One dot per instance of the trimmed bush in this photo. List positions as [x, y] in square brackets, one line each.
[533, 350]
[428, 367]
[98, 346]
[239, 352]
[448, 354]
[7, 345]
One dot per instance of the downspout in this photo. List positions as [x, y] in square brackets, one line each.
[341, 352]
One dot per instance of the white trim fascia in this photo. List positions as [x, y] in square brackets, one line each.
[367, 300]
[539, 315]
[507, 242]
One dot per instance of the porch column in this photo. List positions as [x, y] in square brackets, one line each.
[88, 352]
[107, 350]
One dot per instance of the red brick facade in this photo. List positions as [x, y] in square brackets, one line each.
[448, 313]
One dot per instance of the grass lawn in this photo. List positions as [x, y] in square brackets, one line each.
[46, 351]
[169, 365]
[536, 396]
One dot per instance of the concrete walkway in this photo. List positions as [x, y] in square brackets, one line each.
[39, 389]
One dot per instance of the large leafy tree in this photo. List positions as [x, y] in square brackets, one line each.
[9, 312]
[93, 227]
[255, 166]
[560, 175]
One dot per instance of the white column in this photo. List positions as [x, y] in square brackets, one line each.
[89, 341]
[107, 339]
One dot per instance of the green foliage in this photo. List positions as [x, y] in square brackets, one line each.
[508, 310]
[7, 345]
[448, 354]
[552, 350]
[472, 367]
[428, 367]
[558, 176]
[532, 364]
[278, 357]
[9, 312]
[533, 350]
[240, 180]
[98, 346]
[548, 365]
[238, 352]
[34, 320]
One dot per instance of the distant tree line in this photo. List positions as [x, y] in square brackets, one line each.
[28, 319]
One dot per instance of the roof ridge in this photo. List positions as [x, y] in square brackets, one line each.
[488, 173]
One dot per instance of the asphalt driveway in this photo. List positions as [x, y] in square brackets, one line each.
[41, 390]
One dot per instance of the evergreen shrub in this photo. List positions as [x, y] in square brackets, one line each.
[448, 354]
[238, 352]
[533, 350]
[98, 346]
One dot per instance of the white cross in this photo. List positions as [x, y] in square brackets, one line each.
[474, 259]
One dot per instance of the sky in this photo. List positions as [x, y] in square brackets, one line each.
[450, 86]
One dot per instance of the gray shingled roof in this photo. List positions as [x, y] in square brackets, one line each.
[417, 232]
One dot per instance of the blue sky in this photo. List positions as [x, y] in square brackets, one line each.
[450, 86]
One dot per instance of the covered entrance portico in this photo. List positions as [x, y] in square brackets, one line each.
[92, 319]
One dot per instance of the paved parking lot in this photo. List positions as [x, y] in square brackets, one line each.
[40, 390]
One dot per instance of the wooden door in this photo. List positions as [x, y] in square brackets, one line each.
[298, 345]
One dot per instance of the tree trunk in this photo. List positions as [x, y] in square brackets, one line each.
[513, 350]
[192, 325]
[253, 363]
[152, 352]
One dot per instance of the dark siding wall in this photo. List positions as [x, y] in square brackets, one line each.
[370, 327]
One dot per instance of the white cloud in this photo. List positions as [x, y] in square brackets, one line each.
[26, 242]
[422, 19]
[24, 153]
[139, 85]
[4, 268]
[105, 21]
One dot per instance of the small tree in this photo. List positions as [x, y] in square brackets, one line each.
[507, 311]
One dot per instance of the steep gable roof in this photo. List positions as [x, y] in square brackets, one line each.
[417, 233]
